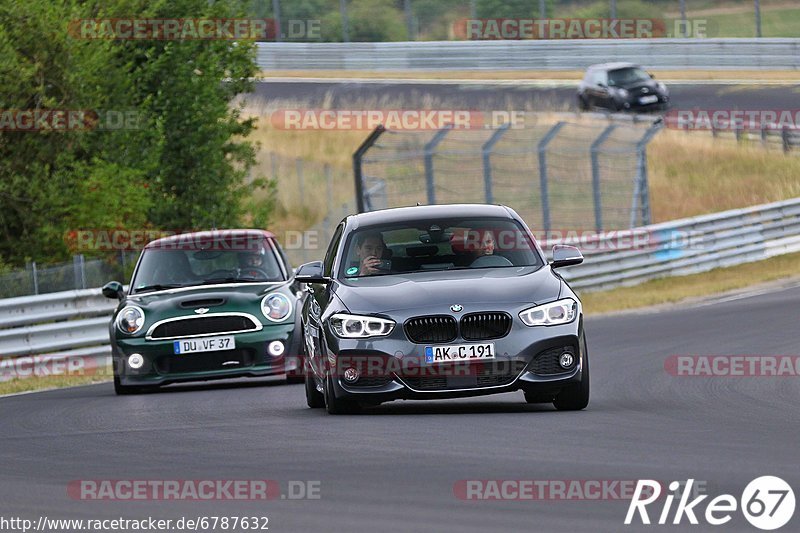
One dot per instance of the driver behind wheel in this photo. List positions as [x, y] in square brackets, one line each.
[251, 265]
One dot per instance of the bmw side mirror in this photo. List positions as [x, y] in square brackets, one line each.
[113, 289]
[311, 273]
[564, 255]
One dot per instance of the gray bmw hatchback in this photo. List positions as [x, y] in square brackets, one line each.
[441, 301]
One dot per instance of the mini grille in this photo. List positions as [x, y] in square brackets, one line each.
[203, 325]
[484, 326]
[431, 329]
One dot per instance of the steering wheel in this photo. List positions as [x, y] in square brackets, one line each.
[252, 272]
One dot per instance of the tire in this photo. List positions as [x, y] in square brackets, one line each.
[123, 390]
[314, 398]
[337, 406]
[538, 398]
[575, 397]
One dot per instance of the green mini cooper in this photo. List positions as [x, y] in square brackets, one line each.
[206, 305]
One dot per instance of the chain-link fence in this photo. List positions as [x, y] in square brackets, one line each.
[80, 273]
[310, 195]
[559, 171]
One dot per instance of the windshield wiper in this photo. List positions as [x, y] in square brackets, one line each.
[211, 281]
[157, 287]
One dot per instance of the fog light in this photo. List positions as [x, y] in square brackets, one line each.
[135, 361]
[351, 375]
[275, 348]
[566, 360]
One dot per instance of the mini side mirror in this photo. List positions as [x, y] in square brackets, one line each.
[113, 289]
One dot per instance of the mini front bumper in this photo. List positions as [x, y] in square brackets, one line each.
[250, 358]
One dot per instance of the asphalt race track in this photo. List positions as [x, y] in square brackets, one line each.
[393, 468]
[487, 96]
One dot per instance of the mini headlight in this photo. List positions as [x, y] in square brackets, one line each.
[622, 92]
[130, 320]
[558, 312]
[357, 327]
[276, 306]
[662, 88]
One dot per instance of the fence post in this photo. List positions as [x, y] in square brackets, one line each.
[641, 192]
[486, 150]
[430, 150]
[35, 277]
[79, 268]
[362, 204]
[276, 14]
[594, 151]
[542, 151]
[785, 139]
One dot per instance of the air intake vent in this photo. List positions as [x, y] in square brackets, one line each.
[207, 302]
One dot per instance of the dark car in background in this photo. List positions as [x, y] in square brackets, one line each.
[621, 87]
[441, 301]
[206, 305]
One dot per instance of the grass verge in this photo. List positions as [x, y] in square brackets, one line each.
[680, 288]
[25, 384]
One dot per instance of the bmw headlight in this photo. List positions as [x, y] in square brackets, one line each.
[130, 320]
[552, 314]
[276, 306]
[359, 327]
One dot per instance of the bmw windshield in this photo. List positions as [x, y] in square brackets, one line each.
[431, 245]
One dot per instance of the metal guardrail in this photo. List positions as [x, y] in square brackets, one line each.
[75, 323]
[686, 246]
[705, 54]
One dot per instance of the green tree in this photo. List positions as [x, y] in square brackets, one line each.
[180, 165]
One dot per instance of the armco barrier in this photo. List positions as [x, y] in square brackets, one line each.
[75, 323]
[703, 54]
[688, 246]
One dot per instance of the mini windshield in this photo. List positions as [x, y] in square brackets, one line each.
[431, 245]
[626, 76]
[165, 268]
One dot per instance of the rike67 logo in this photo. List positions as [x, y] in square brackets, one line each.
[767, 503]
